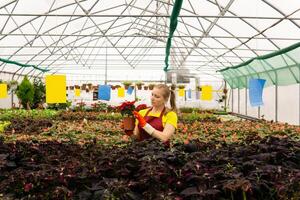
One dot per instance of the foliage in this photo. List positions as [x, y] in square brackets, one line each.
[181, 86]
[84, 159]
[28, 125]
[59, 106]
[66, 170]
[192, 117]
[139, 83]
[3, 125]
[100, 106]
[110, 116]
[188, 109]
[126, 108]
[39, 93]
[9, 114]
[25, 93]
[151, 86]
[127, 83]
[80, 106]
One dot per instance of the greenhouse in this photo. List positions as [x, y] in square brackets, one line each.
[152, 99]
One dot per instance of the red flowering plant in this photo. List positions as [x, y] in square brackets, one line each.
[141, 107]
[126, 108]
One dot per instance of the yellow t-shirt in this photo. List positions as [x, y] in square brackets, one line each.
[169, 118]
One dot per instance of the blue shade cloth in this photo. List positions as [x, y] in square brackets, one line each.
[104, 92]
[189, 93]
[256, 87]
[130, 90]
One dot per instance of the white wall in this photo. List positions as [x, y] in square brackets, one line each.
[288, 104]
[143, 95]
[6, 102]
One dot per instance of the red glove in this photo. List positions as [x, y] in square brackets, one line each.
[140, 118]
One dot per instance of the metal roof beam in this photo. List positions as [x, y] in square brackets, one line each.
[146, 16]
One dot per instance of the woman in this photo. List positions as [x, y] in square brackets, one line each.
[158, 121]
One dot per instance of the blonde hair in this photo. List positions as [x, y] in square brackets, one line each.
[167, 93]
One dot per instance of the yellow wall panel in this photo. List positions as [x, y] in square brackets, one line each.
[56, 89]
[206, 94]
[121, 92]
[181, 92]
[77, 92]
[3, 90]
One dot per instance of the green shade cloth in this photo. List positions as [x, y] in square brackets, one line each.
[278, 68]
[23, 65]
[173, 25]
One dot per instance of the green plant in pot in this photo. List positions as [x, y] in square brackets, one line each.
[139, 85]
[151, 86]
[173, 87]
[127, 84]
[181, 86]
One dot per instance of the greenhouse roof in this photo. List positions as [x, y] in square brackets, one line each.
[81, 38]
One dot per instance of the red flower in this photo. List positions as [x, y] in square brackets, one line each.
[126, 108]
[28, 187]
[141, 107]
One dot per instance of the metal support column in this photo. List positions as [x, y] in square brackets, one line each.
[135, 97]
[166, 77]
[225, 93]
[276, 103]
[232, 100]
[246, 98]
[105, 66]
[12, 99]
[239, 100]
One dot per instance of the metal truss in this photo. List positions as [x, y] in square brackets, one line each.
[135, 36]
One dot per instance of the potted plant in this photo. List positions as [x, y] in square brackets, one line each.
[225, 90]
[126, 109]
[146, 87]
[199, 88]
[95, 87]
[173, 87]
[90, 86]
[181, 86]
[139, 85]
[127, 84]
[83, 86]
[151, 86]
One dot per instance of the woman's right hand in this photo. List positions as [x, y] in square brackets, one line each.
[140, 118]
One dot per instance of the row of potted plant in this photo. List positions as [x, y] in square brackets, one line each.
[127, 84]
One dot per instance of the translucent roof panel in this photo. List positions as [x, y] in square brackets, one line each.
[85, 38]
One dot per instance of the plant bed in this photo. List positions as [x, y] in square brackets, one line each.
[91, 159]
[28, 125]
[91, 115]
[148, 170]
